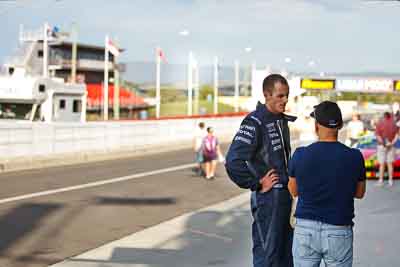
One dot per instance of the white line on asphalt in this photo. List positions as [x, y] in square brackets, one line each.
[103, 182]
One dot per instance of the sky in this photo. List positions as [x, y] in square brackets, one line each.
[296, 35]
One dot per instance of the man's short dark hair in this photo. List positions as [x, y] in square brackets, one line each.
[201, 125]
[270, 80]
[387, 115]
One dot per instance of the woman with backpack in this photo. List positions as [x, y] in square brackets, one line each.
[211, 151]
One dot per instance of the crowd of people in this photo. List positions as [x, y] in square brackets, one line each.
[386, 131]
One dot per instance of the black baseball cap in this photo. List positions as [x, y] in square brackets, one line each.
[328, 114]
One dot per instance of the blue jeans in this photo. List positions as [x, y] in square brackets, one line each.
[314, 241]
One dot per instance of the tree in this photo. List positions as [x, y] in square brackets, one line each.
[206, 90]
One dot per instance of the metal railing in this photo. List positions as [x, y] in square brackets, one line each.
[81, 63]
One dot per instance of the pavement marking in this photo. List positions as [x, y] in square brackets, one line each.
[226, 239]
[98, 183]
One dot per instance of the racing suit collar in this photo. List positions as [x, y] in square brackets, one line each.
[262, 108]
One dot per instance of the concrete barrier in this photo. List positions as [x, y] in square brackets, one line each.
[36, 145]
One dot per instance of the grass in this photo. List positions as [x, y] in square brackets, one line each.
[177, 108]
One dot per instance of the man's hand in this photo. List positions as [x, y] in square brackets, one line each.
[393, 142]
[269, 180]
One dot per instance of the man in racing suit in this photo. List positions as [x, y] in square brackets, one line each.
[258, 160]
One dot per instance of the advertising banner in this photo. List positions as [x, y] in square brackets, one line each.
[319, 84]
[364, 85]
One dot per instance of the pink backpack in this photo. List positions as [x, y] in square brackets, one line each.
[210, 146]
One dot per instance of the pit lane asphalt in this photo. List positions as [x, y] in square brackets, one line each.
[220, 236]
[47, 229]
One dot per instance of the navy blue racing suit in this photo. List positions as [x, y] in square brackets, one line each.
[263, 143]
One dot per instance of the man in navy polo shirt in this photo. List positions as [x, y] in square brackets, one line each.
[326, 176]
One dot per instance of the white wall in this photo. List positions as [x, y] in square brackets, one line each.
[28, 142]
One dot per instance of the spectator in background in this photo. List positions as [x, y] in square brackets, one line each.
[386, 136]
[307, 133]
[211, 151]
[397, 116]
[355, 129]
[8, 113]
[198, 137]
[396, 111]
[371, 126]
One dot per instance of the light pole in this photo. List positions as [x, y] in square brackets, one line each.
[285, 71]
[193, 84]
[190, 85]
[216, 66]
[158, 89]
[105, 83]
[74, 51]
[46, 30]
[192, 66]
[196, 86]
[236, 97]
[237, 80]
[249, 70]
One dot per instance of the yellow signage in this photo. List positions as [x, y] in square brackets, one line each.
[317, 84]
[396, 85]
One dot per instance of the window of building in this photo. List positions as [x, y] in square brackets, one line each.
[62, 104]
[15, 111]
[40, 53]
[42, 88]
[77, 106]
[90, 55]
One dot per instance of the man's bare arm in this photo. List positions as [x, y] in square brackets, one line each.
[360, 190]
[292, 186]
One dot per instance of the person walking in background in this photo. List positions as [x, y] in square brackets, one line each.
[386, 136]
[198, 136]
[355, 129]
[326, 176]
[257, 160]
[211, 150]
[307, 134]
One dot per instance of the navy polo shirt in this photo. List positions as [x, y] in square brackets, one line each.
[327, 174]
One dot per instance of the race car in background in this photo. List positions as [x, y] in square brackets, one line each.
[367, 144]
